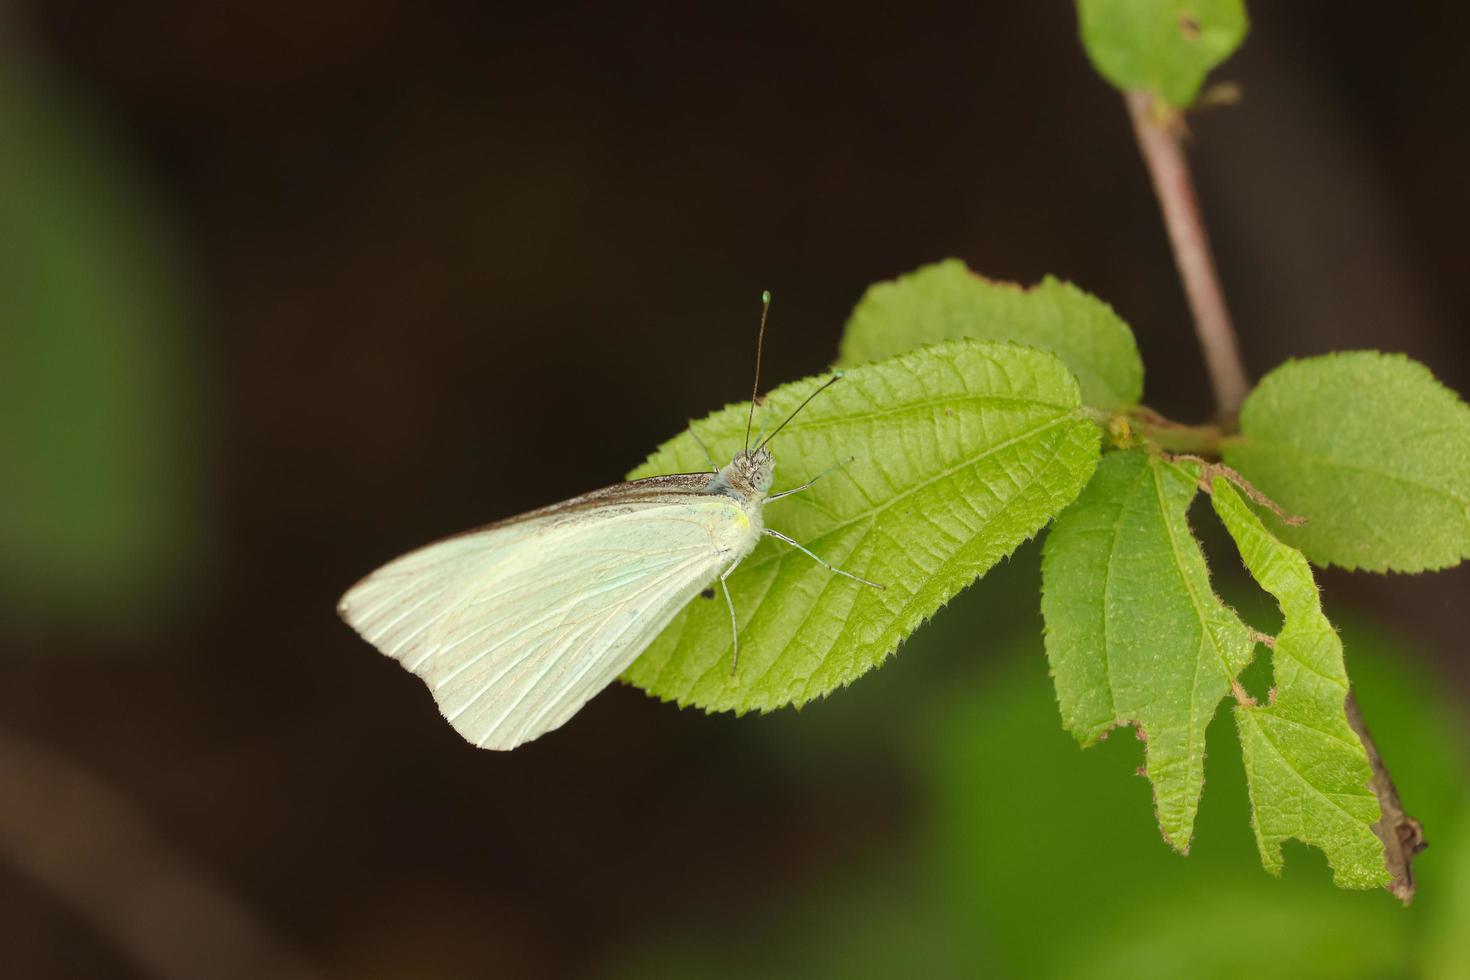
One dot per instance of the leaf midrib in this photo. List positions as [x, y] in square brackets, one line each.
[870, 514]
[1207, 635]
[917, 487]
[980, 401]
[1118, 524]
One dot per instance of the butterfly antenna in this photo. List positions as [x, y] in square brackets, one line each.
[755, 387]
[829, 383]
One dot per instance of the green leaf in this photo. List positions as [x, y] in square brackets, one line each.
[1134, 633]
[1166, 47]
[1371, 450]
[946, 300]
[1307, 771]
[952, 456]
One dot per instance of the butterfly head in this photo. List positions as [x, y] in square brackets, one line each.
[751, 471]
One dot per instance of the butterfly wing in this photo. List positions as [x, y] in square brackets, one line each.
[516, 626]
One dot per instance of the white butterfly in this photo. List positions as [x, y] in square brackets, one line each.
[516, 625]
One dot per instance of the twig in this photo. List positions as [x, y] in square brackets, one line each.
[63, 828]
[1203, 440]
[1401, 834]
[1158, 134]
[1158, 140]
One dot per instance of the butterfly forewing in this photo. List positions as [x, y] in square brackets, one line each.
[514, 627]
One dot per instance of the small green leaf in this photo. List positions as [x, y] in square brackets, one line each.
[1166, 47]
[1306, 769]
[946, 300]
[950, 458]
[1134, 633]
[1371, 450]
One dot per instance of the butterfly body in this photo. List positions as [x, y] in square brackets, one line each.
[516, 625]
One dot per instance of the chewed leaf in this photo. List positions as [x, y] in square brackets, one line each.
[1307, 771]
[1162, 46]
[1134, 632]
[1371, 450]
[946, 300]
[949, 458]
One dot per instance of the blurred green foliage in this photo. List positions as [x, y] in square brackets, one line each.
[1025, 857]
[100, 501]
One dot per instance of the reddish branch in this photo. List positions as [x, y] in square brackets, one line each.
[1159, 140]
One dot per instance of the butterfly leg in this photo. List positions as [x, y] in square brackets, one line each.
[714, 467]
[787, 493]
[827, 565]
[734, 628]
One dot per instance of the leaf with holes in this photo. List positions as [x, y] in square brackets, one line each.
[1306, 769]
[950, 457]
[1162, 46]
[1134, 633]
[1371, 450]
[946, 300]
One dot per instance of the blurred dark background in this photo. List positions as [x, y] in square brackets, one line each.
[288, 288]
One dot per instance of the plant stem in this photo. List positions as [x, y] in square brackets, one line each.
[1163, 152]
[1158, 134]
[1200, 440]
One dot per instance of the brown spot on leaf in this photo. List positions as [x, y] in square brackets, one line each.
[1188, 27]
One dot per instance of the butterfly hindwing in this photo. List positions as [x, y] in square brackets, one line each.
[516, 626]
